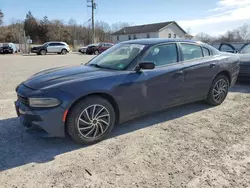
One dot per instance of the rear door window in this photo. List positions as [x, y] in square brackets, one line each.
[191, 51]
[52, 44]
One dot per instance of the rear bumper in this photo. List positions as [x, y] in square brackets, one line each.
[42, 123]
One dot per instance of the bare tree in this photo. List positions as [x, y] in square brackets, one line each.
[244, 32]
[119, 25]
[204, 37]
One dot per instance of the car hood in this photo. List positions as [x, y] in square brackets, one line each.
[60, 75]
[37, 47]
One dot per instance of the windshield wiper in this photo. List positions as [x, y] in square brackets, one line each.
[98, 66]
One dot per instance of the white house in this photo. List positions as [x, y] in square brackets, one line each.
[155, 30]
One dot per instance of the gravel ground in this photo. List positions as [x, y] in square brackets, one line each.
[192, 146]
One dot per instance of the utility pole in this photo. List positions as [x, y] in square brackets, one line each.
[25, 41]
[93, 7]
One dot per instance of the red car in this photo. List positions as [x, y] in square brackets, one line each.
[98, 48]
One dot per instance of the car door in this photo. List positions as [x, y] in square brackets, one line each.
[51, 48]
[161, 86]
[199, 69]
[226, 47]
[244, 55]
[58, 47]
[102, 47]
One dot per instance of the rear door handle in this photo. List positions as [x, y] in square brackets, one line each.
[178, 74]
[212, 65]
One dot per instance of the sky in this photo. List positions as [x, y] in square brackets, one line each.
[214, 17]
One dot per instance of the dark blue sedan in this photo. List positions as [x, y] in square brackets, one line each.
[130, 79]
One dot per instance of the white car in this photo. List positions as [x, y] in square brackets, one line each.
[51, 47]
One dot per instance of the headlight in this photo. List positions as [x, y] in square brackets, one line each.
[43, 102]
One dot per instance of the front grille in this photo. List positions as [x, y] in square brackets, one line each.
[22, 99]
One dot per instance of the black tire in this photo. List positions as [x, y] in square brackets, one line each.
[42, 52]
[79, 110]
[217, 95]
[63, 52]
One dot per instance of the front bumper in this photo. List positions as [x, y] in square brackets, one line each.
[34, 51]
[45, 123]
[82, 50]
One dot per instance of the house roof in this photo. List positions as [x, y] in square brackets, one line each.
[144, 28]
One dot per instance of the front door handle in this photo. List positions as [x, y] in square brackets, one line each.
[212, 65]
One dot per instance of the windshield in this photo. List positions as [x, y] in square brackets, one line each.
[45, 43]
[117, 57]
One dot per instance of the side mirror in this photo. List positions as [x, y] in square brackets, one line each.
[146, 65]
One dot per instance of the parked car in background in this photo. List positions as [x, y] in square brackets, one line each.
[84, 48]
[131, 79]
[244, 55]
[8, 48]
[98, 48]
[51, 47]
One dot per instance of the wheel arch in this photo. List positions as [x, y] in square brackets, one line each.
[106, 96]
[64, 49]
[225, 73]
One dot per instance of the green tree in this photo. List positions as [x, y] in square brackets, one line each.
[1, 17]
[31, 27]
[43, 29]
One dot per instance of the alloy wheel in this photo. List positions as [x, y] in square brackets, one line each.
[64, 52]
[220, 90]
[43, 52]
[93, 121]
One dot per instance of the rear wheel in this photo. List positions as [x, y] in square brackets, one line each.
[64, 51]
[43, 52]
[218, 90]
[91, 120]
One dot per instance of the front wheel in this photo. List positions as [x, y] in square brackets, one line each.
[43, 52]
[96, 52]
[91, 120]
[218, 90]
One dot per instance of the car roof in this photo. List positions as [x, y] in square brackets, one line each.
[56, 42]
[153, 41]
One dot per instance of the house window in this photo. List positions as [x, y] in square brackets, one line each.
[148, 35]
[175, 36]
[134, 36]
[117, 37]
[129, 37]
[169, 35]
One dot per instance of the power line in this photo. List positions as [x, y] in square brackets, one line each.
[93, 7]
